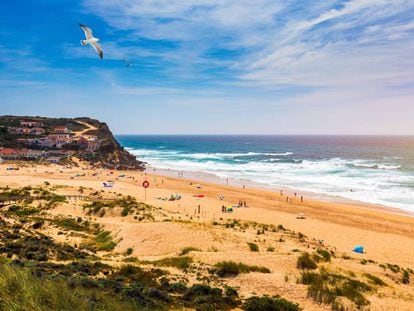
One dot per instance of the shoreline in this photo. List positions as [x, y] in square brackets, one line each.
[382, 231]
[239, 183]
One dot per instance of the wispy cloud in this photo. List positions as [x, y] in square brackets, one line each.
[329, 43]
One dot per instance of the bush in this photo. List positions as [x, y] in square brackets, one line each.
[72, 224]
[22, 290]
[406, 277]
[374, 280]
[101, 242]
[205, 297]
[253, 247]
[231, 268]
[189, 249]
[325, 287]
[393, 268]
[178, 262]
[325, 254]
[178, 287]
[306, 262]
[266, 303]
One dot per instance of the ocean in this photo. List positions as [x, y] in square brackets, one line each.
[370, 169]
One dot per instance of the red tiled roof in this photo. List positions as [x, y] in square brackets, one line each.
[9, 151]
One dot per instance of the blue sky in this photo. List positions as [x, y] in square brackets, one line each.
[214, 66]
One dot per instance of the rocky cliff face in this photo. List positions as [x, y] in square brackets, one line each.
[110, 153]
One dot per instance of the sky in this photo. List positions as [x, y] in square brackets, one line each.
[213, 66]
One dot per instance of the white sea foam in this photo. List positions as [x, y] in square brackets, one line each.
[378, 166]
[357, 179]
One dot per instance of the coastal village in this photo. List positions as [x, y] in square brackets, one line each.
[49, 144]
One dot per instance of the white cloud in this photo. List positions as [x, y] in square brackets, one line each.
[327, 46]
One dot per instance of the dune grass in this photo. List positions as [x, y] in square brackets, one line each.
[182, 263]
[305, 262]
[253, 247]
[267, 303]
[102, 241]
[21, 290]
[187, 250]
[231, 268]
[327, 287]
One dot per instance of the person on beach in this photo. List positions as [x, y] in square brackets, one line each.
[281, 193]
[301, 199]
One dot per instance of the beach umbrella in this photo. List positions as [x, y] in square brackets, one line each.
[358, 249]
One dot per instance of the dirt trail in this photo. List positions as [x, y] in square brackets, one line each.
[89, 128]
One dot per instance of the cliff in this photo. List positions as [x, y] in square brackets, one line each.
[84, 138]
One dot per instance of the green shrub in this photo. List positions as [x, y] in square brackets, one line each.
[101, 242]
[325, 287]
[325, 254]
[22, 290]
[253, 247]
[231, 268]
[189, 249]
[178, 262]
[178, 287]
[206, 298]
[266, 303]
[306, 262]
[406, 277]
[393, 268]
[374, 279]
[71, 224]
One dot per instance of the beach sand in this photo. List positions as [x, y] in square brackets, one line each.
[386, 234]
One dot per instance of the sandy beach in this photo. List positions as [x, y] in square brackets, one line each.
[386, 234]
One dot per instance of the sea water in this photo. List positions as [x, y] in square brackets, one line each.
[371, 169]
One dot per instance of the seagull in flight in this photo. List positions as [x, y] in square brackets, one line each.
[127, 62]
[90, 39]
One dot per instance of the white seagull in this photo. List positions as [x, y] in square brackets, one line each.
[127, 62]
[90, 39]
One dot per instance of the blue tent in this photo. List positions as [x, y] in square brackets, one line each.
[358, 249]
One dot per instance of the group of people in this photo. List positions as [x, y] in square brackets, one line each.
[241, 203]
[290, 199]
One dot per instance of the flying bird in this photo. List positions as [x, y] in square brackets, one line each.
[127, 62]
[90, 39]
